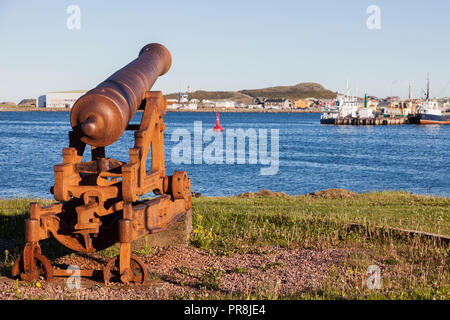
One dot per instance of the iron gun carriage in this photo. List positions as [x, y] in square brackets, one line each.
[99, 200]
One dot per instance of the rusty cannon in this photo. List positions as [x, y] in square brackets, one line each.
[99, 200]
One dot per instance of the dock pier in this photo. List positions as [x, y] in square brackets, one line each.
[367, 121]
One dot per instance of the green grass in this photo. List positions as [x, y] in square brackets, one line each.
[311, 222]
[12, 218]
[13, 213]
[413, 267]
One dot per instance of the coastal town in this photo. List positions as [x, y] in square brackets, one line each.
[341, 109]
[365, 107]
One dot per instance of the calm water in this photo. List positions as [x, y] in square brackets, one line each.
[311, 156]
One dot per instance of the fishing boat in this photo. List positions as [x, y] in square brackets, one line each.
[429, 112]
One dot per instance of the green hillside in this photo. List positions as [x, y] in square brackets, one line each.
[299, 91]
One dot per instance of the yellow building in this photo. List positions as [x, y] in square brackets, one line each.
[372, 104]
[302, 104]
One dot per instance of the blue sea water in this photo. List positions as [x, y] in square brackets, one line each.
[311, 156]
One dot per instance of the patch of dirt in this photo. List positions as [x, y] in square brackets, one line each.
[186, 271]
[333, 194]
[263, 193]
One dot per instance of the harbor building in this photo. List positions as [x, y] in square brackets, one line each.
[254, 106]
[280, 103]
[172, 104]
[302, 104]
[207, 104]
[190, 106]
[372, 102]
[61, 99]
[365, 113]
[225, 104]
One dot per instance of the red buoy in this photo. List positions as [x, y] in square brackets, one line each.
[218, 128]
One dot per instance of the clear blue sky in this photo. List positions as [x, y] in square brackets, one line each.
[228, 45]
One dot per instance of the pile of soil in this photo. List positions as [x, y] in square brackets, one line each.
[333, 194]
[326, 194]
[263, 193]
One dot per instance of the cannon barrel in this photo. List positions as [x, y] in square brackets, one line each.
[101, 115]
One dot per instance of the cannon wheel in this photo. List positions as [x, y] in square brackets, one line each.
[111, 272]
[41, 267]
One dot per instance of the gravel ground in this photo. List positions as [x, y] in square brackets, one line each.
[185, 272]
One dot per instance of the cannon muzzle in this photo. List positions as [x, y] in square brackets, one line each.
[101, 115]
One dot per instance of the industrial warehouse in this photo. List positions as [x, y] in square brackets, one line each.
[60, 99]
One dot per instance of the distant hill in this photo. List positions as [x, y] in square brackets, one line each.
[27, 103]
[299, 91]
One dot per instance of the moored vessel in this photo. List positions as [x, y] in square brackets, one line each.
[342, 107]
[429, 112]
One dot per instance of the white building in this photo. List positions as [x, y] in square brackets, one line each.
[277, 103]
[225, 104]
[191, 106]
[208, 104]
[365, 113]
[62, 99]
[254, 106]
[184, 98]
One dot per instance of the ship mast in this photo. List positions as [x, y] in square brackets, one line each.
[428, 86]
[409, 96]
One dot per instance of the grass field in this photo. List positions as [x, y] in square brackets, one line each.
[412, 267]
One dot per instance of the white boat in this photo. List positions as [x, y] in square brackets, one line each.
[343, 106]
